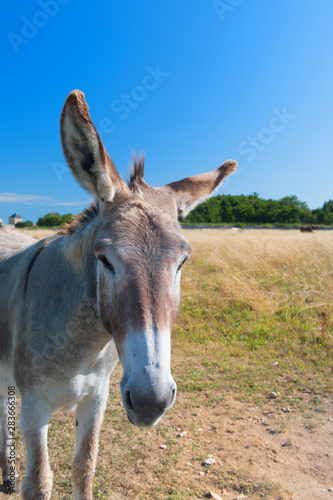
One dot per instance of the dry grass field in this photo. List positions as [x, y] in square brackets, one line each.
[36, 233]
[256, 318]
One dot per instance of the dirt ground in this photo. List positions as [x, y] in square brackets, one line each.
[270, 450]
[272, 446]
[261, 451]
[259, 447]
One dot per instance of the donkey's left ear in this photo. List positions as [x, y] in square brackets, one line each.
[194, 190]
[84, 150]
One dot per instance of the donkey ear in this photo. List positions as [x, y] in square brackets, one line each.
[84, 150]
[194, 190]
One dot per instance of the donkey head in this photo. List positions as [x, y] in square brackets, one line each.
[140, 250]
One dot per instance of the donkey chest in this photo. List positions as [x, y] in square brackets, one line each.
[77, 388]
[71, 385]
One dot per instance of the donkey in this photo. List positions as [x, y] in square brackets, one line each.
[107, 287]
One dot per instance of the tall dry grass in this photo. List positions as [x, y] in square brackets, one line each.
[269, 270]
[36, 233]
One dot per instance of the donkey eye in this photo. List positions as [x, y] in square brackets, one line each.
[181, 265]
[106, 263]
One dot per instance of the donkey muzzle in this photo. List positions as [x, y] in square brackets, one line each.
[147, 387]
[147, 408]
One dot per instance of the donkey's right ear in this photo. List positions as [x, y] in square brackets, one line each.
[84, 150]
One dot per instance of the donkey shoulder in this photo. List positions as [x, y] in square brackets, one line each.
[16, 252]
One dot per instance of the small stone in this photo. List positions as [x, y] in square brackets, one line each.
[162, 446]
[273, 395]
[189, 464]
[181, 434]
[200, 430]
[214, 495]
[209, 461]
[323, 491]
[201, 473]
[286, 410]
[240, 497]
[329, 489]
[330, 419]
[276, 363]
[148, 433]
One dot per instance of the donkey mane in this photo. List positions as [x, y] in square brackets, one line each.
[136, 172]
[82, 219]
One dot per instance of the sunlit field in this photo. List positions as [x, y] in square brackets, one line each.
[252, 297]
[252, 357]
[36, 233]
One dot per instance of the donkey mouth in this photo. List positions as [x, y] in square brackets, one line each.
[147, 416]
[145, 420]
[148, 421]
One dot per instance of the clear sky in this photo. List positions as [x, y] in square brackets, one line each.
[189, 82]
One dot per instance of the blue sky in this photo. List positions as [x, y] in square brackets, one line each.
[191, 83]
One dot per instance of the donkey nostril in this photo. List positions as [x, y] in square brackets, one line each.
[128, 401]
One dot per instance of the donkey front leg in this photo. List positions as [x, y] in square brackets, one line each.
[34, 420]
[89, 418]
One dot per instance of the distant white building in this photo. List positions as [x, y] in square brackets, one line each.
[1, 223]
[15, 218]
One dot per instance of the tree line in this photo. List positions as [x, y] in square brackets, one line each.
[227, 209]
[53, 219]
[253, 210]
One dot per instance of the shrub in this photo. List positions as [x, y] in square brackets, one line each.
[54, 219]
[26, 223]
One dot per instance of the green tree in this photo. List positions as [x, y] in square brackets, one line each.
[26, 223]
[255, 210]
[328, 205]
[54, 219]
[293, 200]
[66, 219]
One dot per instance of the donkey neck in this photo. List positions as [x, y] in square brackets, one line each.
[78, 251]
